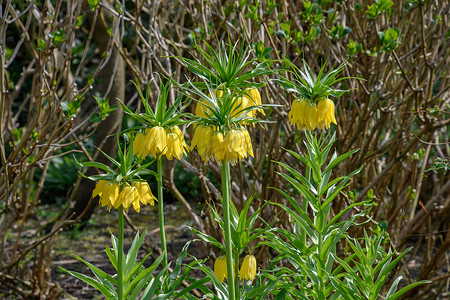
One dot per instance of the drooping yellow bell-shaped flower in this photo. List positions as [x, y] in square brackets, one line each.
[145, 195]
[128, 195]
[210, 143]
[254, 98]
[202, 139]
[304, 114]
[235, 141]
[220, 268]
[325, 112]
[238, 143]
[248, 268]
[297, 115]
[108, 192]
[218, 146]
[155, 140]
[179, 133]
[176, 146]
[139, 147]
[311, 116]
[160, 141]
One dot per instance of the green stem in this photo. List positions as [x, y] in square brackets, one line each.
[305, 203]
[320, 267]
[226, 198]
[236, 274]
[162, 231]
[120, 257]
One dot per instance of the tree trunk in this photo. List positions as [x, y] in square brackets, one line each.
[115, 71]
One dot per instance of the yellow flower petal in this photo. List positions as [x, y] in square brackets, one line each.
[248, 142]
[299, 114]
[254, 98]
[202, 139]
[325, 112]
[139, 147]
[145, 193]
[220, 268]
[311, 116]
[238, 143]
[99, 187]
[180, 136]
[238, 105]
[218, 146]
[248, 268]
[201, 109]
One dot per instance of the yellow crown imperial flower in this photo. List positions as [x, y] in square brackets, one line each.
[126, 197]
[231, 148]
[139, 145]
[145, 195]
[313, 109]
[176, 146]
[297, 113]
[218, 146]
[202, 139]
[108, 192]
[220, 268]
[152, 140]
[158, 140]
[238, 145]
[311, 116]
[254, 98]
[304, 114]
[325, 111]
[248, 268]
[134, 195]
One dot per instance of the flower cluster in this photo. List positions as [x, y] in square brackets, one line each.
[308, 115]
[231, 142]
[231, 146]
[158, 140]
[247, 271]
[131, 195]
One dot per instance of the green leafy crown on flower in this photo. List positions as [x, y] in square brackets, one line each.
[126, 170]
[162, 116]
[224, 89]
[313, 87]
[226, 66]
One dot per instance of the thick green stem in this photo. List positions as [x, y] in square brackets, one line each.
[226, 198]
[120, 257]
[162, 231]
